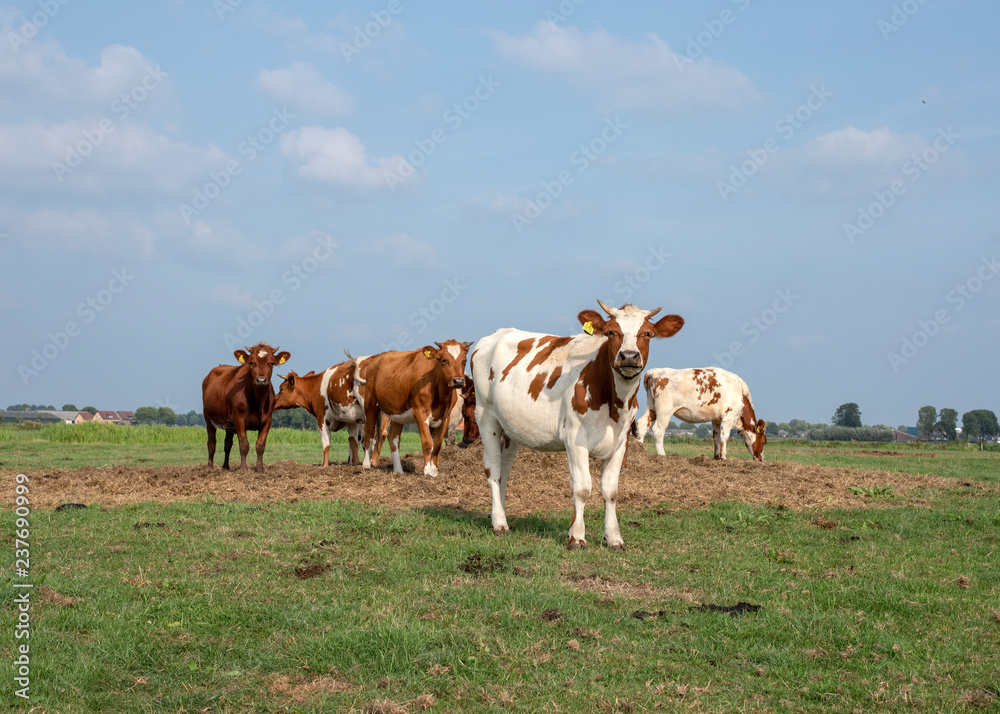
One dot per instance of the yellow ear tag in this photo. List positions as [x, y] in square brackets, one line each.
[281, 361]
[588, 327]
[240, 358]
[427, 354]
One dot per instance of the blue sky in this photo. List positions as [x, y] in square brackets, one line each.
[812, 187]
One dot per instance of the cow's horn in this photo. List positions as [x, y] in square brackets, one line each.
[653, 312]
[604, 307]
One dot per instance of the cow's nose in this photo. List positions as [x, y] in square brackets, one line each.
[458, 383]
[629, 358]
[261, 380]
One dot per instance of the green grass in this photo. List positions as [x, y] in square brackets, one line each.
[196, 606]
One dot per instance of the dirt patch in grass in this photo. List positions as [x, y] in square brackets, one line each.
[539, 482]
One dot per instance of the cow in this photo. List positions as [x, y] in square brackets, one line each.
[413, 387]
[470, 429]
[333, 397]
[574, 394]
[240, 397]
[701, 395]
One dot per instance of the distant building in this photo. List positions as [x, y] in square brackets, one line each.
[106, 416]
[83, 418]
[64, 416]
[18, 417]
[906, 436]
[127, 418]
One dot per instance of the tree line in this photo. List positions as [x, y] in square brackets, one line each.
[977, 425]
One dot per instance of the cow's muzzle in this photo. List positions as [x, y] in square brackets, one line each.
[629, 364]
[458, 383]
[261, 381]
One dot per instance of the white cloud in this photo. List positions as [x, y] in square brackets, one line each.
[232, 296]
[215, 246]
[88, 232]
[404, 251]
[305, 90]
[850, 162]
[646, 76]
[336, 156]
[84, 158]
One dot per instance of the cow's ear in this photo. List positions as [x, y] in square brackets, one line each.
[592, 322]
[428, 351]
[282, 357]
[241, 356]
[761, 426]
[668, 325]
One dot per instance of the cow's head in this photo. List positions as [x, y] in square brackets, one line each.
[755, 438]
[261, 359]
[357, 382]
[288, 397]
[629, 331]
[451, 355]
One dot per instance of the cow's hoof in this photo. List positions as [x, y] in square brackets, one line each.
[620, 546]
[501, 531]
[431, 471]
[577, 545]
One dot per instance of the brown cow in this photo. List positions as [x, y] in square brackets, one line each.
[239, 398]
[413, 387]
[333, 397]
[470, 430]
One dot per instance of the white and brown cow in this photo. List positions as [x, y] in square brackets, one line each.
[418, 387]
[333, 397]
[697, 396]
[573, 394]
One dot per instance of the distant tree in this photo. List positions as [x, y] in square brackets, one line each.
[948, 422]
[90, 410]
[182, 420]
[195, 419]
[771, 429]
[926, 421]
[147, 415]
[18, 408]
[847, 415]
[902, 427]
[166, 415]
[703, 431]
[70, 408]
[979, 424]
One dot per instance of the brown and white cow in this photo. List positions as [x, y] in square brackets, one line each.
[334, 398]
[240, 397]
[573, 394]
[697, 396]
[418, 387]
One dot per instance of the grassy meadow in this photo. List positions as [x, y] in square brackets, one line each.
[319, 606]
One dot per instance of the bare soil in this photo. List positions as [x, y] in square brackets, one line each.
[539, 482]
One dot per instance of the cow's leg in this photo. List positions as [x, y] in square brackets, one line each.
[324, 437]
[491, 433]
[438, 437]
[508, 450]
[393, 437]
[211, 443]
[261, 444]
[426, 442]
[241, 434]
[610, 470]
[227, 446]
[658, 429]
[723, 437]
[580, 485]
[372, 424]
[720, 446]
[353, 437]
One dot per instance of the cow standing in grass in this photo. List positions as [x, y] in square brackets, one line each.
[238, 398]
[418, 387]
[697, 396]
[334, 399]
[573, 394]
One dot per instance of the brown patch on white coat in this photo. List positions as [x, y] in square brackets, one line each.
[696, 396]
[413, 387]
[574, 394]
